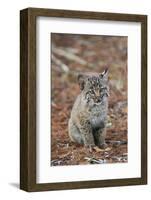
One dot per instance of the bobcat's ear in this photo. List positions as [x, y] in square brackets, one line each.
[104, 74]
[81, 81]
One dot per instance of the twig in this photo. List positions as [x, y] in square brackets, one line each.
[117, 142]
[94, 160]
[63, 66]
[68, 55]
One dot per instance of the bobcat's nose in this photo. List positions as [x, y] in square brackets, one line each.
[97, 93]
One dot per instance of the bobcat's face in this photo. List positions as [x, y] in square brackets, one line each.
[94, 87]
[95, 90]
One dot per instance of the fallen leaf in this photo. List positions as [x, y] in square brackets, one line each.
[97, 149]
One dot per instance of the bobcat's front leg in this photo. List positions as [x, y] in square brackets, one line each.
[99, 136]
[86, 132]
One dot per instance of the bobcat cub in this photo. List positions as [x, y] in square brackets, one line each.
[87, 124]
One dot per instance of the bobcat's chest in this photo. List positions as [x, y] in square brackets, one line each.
[97, 118]
[97, 122]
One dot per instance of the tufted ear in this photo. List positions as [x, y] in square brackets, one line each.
[81, 81]
[104, 74]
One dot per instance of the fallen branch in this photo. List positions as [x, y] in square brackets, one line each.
[94, 160]
[117, 142]
[70, 56]
[58, 62]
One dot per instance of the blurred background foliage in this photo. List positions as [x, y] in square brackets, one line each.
[72, 54]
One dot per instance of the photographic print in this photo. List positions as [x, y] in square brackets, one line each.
[88, 99]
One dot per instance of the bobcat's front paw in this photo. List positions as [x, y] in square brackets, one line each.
[102, 146]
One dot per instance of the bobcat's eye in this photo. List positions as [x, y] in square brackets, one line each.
[103, 88]
[92, 92]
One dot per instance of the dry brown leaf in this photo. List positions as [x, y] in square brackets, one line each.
[97, 149]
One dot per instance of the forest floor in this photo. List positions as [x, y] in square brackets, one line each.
[76, 53]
